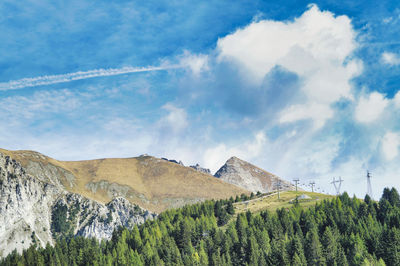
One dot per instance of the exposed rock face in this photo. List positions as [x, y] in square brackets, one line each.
[34, 209]
[91, 219]
[25, 207]
[250, 177]
[197, 167]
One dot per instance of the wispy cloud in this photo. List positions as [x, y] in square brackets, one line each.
[390, 59]
[53, 79]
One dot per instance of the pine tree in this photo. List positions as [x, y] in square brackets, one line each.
[202, 254]
[390, 246]
[297, 261]
[329, 242]
[297, 249]
[230, 209]
[253, 252]
[313, 249]
[341, 257]
[264, 242]
[357, 250]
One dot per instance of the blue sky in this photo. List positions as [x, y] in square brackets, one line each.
[304, 90]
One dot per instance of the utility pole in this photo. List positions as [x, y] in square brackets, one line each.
[340, 184]
[369, 186]
[297, 182]
[279, 188]
[334, 184]
[337, 188]
[312, 184]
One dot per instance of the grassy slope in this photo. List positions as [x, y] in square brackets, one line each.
[150, 182]
[271, 202]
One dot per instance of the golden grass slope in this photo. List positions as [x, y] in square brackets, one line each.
[150, 182]
[271, 202]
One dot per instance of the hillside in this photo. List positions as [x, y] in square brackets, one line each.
[152, 183]
[336, 231]
[271, 202]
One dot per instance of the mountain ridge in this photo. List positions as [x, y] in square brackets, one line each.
[147, 181]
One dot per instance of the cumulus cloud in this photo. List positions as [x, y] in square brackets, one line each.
[315, 46]
[370, 108]
[390, 59]
[197, 63]
[175, 120]
[390, 145]
[396, 99]
[318, 112]
[215, 157]
[318, 157]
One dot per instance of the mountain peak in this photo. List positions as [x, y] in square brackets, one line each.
[248, 176]
[234, 158]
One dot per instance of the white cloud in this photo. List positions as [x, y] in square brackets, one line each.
[371, 107]
[316, 46]
[390, 59]
[387, 20]
[390, 145]
[317, 158]
[41, 103]
[396, 100]
[197, 63]
[318, 112]
[175, 120]
[215, 157]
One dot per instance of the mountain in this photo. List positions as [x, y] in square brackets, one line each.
[250, 177]
[35, 211]
[149, 182]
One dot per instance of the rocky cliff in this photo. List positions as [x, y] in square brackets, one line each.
[37, 209]
[250, 177]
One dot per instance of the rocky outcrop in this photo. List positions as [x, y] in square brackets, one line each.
[172, 161]
[197, 167]
[25, 207]
[84, 217]
[250, 177]
[38, 210]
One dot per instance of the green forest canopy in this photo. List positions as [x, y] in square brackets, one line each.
[339, 231]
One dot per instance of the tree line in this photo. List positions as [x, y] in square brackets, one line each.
[338, 231]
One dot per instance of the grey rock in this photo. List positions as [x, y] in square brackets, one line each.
[250, 177]
[197, 167]
[28, 202]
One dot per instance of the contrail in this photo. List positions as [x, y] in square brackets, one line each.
[53, 79]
